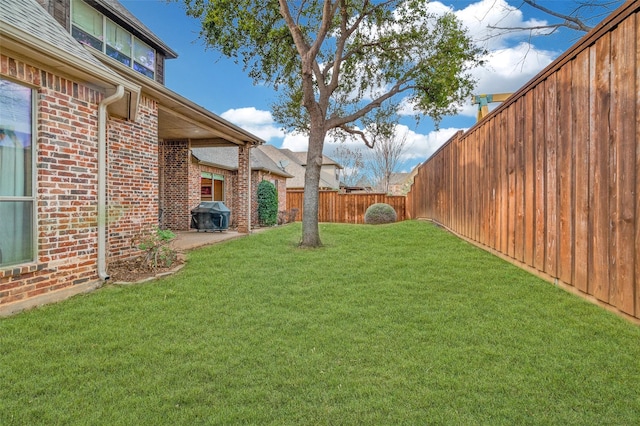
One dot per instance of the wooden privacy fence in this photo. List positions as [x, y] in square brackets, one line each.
[551, 178]
[346, 208]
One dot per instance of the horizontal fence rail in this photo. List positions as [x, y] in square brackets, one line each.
[551, 178]
[345, 208]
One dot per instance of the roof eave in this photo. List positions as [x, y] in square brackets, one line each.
[171, 101]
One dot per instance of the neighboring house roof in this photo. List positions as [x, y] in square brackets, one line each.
[116, 8]
[301, 158]
[28, 29]
[294, 163]
[227, 158]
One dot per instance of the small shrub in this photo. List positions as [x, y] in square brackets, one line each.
[380, 213]
[292, 215]
[267, 203]
[156, 247]
[287, 216]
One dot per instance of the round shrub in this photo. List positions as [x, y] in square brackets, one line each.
[267, 203]
[380, 213]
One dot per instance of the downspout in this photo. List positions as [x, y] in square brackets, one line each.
[102, 180]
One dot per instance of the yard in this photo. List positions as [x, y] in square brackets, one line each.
[394, 324]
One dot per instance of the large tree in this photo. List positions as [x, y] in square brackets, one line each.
[341, 65]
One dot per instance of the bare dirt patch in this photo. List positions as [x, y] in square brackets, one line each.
[136, 269]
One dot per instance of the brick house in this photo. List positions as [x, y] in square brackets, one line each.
[93, 147]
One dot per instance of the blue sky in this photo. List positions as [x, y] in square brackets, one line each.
[221, 86]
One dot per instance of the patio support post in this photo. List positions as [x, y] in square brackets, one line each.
[244, 189]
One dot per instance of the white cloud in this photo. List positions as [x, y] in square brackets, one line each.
[479, 16]
[258, 122]
[507, 70]
[296, 142]
[511, 62]
[421, 147]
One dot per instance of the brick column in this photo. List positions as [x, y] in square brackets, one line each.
[174, 196]
[243, 215]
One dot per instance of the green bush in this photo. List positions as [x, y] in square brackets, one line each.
[267, 203]
[155, 244]
[380, 213]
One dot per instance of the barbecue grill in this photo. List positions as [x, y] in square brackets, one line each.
[210, 216]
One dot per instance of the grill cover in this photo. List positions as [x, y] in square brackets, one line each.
[210, 216]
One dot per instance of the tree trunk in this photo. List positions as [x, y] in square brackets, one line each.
[310, 231]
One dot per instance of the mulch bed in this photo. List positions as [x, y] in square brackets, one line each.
[136, 269]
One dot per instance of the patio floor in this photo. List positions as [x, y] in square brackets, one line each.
[188, 240]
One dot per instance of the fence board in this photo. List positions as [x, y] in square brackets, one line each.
[492, 125]
[623, 120]
[486, 195]
[503, 177]
[511, 181]
[637, 189]
[529, 177]
[566, 177]
[519, 189]
[551, 203]
[581, 132]
[540, 190]
[600, 199]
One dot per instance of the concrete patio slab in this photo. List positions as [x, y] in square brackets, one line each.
[189, 240]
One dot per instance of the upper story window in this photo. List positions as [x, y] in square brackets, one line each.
[17, 195]
[96, 30]
[118, 43]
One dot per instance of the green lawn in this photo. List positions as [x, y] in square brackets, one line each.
[394, 324]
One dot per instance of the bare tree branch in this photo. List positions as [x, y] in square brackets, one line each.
[577, 19]
[572, 22]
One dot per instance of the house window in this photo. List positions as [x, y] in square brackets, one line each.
[118, 43]
[211, 187]
[92, 28]
[144, 58]
[16, 174]
[87, 25]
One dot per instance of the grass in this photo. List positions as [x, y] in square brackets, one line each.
[392, 324]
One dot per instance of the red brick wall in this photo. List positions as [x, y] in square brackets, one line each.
[66, 201]
[66, 185]
[174, 191]
[132, 184]
[195, 185]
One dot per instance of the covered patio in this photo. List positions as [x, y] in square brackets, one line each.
[183, 125]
